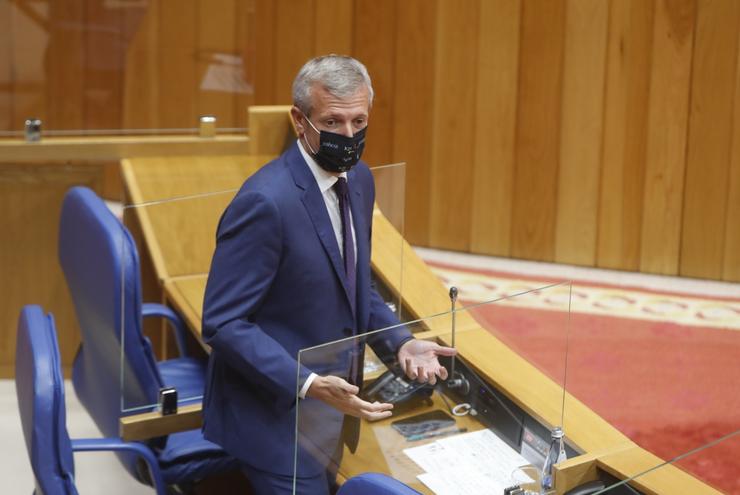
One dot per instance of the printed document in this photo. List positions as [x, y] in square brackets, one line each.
[467, 464]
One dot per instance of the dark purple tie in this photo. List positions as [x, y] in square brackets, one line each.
[351, 425]
[348, 250]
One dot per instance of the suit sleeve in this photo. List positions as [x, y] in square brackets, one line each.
[247, 255]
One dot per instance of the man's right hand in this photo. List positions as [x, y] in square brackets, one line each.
[341, 395]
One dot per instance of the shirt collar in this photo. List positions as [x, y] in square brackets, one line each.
[324, 179]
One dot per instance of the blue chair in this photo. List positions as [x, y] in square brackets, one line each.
[40, 390]
[375, 484]
[101, 266]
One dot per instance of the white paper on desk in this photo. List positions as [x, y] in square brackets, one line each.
[469, 464]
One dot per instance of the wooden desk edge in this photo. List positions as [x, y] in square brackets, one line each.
[152, 424]
[118, 147]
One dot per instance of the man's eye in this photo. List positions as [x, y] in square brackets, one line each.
[330, 123]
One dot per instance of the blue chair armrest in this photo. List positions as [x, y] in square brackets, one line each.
[156, 309]
[114, 444]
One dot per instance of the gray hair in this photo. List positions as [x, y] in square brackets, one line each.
[340, 75]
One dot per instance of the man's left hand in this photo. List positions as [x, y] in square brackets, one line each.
[418, 358]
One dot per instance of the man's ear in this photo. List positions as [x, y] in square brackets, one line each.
[298, 120]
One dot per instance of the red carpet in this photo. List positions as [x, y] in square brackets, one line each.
[667, 375]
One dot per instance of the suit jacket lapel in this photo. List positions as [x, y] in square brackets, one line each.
[316, 208]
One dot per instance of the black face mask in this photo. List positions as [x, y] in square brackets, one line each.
[338, 153]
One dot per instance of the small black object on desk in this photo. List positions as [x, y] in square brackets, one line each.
[168, 401]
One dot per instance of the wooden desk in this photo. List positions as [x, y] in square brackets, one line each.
[117, 147]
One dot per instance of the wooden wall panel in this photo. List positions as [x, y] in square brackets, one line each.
[538, 130]
[244, 49]
[594, 132]
[626, 94]
[334, 26]
[6, 61]
[413, 106]
[294, 41]
[454, 124]
[104, 55]
[65, 65]
[374, 44]
[731, 254]
[177, 56]
[216, 60]
[495, 126]
[30, 199]
[141, 78]
[581, 130]
[28, 46]
[673, 35]
[710, 139]
[265, 61]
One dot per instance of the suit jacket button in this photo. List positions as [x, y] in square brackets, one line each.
[348, 332]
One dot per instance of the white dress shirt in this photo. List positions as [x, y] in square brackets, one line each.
[326, 181]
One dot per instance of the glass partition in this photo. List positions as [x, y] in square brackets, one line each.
[125, 66]
[470, 433]
[173, 214]
[662, 370]
[178, 235]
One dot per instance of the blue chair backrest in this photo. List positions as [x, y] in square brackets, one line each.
[40, 390]
[101, 266]
[375, 484]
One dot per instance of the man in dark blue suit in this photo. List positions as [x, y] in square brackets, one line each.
[291, 270]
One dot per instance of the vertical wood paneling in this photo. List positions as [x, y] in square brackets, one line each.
[217, 70]
[265, 61]
[374, 45]
[625, 132]
[6, 64]
[667, 133]
[141, 71]
[333, 25]
[454, 124]
[65, 65]
[104, 65]
[731, 255]
[244, 41]
[177, 55]
[538, 130]
[710, 137]
[30, 201]
[413, 103]
[581, 131]
[495, 126]
[28, 74]
[294, 43]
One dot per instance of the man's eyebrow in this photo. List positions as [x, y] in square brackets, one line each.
[339, 116]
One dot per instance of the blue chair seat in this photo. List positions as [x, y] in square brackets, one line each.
[187, 455]
[375, 484]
